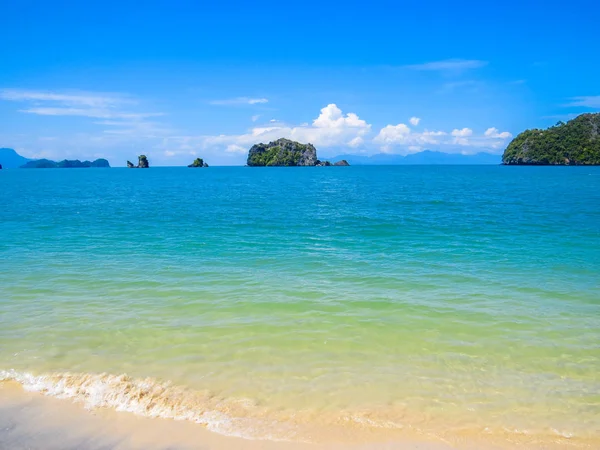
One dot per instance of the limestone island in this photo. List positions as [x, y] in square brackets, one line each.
[574, 143]
[198, 162]
[142, 163]
[64, 164]
[285, 153]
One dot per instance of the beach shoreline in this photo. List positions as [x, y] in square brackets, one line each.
[33, 420]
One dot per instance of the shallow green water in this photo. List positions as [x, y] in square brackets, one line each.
[423, 297]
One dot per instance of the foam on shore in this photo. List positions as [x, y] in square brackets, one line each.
[246, 419]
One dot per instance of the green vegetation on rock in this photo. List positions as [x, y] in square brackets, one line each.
[282, 152]
[198, 162]
[576, 142]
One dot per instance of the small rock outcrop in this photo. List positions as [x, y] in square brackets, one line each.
[343, 162]
[198, 162]
[142, 163]
[576, 142]
[282, 152]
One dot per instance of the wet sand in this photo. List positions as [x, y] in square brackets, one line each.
[33, 421]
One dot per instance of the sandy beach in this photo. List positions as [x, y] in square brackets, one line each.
[33, 421]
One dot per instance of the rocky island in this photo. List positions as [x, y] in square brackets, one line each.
[284, 152]
[198, 162]
[142, 163]
[576, 142]
[64, 164]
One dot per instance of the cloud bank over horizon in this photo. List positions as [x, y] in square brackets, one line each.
[118, 128]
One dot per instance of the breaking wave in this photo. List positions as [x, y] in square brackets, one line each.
[151, 398]
[246, 419]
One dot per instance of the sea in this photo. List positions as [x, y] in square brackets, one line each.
[311, 304]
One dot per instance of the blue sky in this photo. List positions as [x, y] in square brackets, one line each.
[176, 80]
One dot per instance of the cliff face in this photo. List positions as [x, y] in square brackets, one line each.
[576, 142]
[282, 152]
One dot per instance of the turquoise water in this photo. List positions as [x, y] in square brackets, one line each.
[282, 302]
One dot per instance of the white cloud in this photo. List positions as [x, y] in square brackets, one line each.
[88, 99]
[590, 101]
[356, 142]
[255, 117]
[90, 112]
[234, 148]
[393, 134]
[462, 133]
[401, 134]
[331, 117]
[402, 139]
[461, 136]
[125, 129]
[330, 128]
[450, 65]
[109, 107]
[495, 133]
[239, 101]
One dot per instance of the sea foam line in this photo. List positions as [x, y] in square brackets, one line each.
[150, 398]
[231, 417]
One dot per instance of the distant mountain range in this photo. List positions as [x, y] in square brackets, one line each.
[64, 164]
[10, 159]
[424, 157]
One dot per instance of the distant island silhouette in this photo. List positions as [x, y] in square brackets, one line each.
[65, 164]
